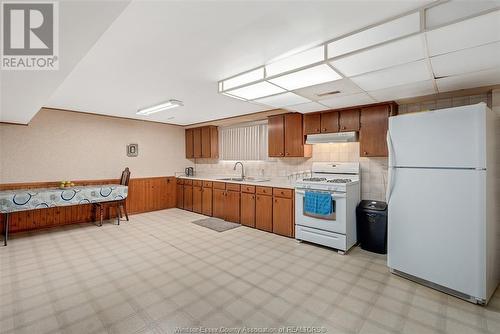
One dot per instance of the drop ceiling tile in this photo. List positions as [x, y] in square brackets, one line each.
[308, 107]
[393, 76]
[348, 100]
[465, 34]
[395, 53]
[469, 80]
[399, 27]
[468, 60]
[282, 100]
[344, 86]
[404, 91]
[450, 11]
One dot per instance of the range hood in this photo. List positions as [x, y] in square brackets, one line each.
[338, 137]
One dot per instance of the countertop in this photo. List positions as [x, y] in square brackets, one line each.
[276, 182]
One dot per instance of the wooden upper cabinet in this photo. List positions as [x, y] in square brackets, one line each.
[374, 122]
[294, 138]
[349, 120]
[189, 144]
[330, 122]
[202, 142]
[209, 142]
[286, 136]
[312, 124]
[197, 142]
[276, 136]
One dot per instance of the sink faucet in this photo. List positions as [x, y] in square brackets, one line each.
[242, 169]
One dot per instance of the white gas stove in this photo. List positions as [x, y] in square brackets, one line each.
[337, 229]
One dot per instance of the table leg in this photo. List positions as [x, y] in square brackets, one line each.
[5, 228]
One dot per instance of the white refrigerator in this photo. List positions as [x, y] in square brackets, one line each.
[443, 227]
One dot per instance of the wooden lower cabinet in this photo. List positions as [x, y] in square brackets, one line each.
[188, 197]
[264, 212]
[283, 216]
[265, 208]
[180, 196]
[247, 209]
[206, 201]
[232, 206]
[219, 195]
[197, 199]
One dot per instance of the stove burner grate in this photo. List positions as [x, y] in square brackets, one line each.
[315, 179]
[339, 181]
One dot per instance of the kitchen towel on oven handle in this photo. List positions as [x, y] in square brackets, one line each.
[318, 203]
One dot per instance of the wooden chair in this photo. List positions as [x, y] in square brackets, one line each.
[119, 205]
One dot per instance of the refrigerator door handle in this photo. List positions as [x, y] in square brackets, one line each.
[391, 170]
[391, 178]
[392, 154]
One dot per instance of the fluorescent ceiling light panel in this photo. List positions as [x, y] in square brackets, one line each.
[308, 77]
[476, 31]
[348, 100]
[282, 100]
[234, 97]
[160, 107]
[394, 76]
[298, 60]
[244, 78]
[387, 55]
[468, 60]
[469, 80]
[384, 32]
[255, 91]
[320, 92]
[455, 10]
[405, 91]
[307, 107]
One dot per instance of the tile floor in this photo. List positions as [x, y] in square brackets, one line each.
[158, 272]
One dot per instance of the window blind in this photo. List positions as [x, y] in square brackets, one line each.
[243, 142]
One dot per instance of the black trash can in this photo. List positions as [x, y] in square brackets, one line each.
[371, 220]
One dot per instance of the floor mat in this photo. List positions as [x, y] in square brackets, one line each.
[216, 224]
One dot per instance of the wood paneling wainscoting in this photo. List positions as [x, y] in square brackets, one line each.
[144, 194]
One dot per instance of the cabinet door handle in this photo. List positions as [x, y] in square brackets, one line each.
[287, 153]
[324, 129]
[365, 153]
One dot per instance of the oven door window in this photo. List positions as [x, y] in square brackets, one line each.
[331, 216]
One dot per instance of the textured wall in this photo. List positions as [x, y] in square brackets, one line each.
[60, 145]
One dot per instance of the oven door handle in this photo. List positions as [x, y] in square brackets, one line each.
[335, 194]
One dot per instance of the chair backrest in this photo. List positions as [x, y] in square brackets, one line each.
[125, 177]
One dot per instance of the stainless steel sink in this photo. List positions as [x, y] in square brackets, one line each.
[231, 179]
[249, 179]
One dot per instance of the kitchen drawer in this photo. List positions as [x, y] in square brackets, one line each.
[325, 238]
[207, 184]
[247, 189]
[233, 186]
[264, 190]
[197, 183]
[219, 185]
[282, 192]
[180, 181]
[188, 182]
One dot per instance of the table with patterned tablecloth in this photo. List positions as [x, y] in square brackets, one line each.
[41, 198]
